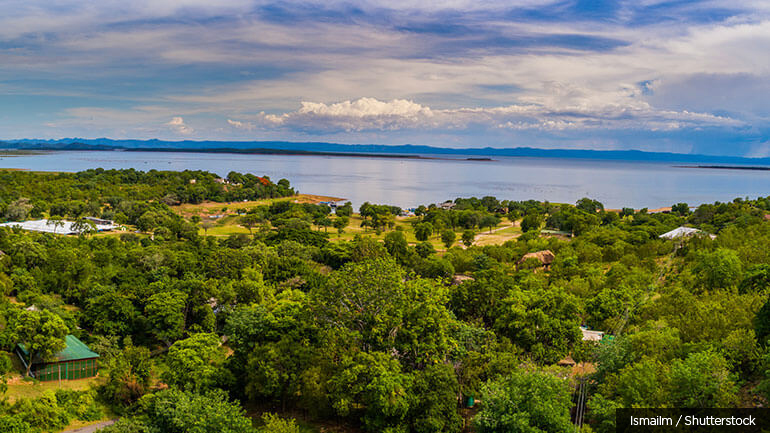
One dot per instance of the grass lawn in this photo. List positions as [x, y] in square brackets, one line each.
[19, 388]
[34, 389]
[228, 225]
[28, 388]
[499, 235]
[213, 208]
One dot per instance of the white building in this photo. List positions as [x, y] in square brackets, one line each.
[62, 227]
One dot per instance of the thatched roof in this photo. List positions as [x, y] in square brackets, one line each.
[545, 257]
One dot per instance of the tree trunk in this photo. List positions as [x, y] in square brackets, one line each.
[29, 365]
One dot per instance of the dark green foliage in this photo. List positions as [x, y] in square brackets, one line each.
[762, 323]
[129, 376]
[173, 411]
[422, 231]
[448, 237]
[525, 402]
[381, 335]
[435, 401]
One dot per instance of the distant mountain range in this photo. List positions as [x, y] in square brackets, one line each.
[395, 151]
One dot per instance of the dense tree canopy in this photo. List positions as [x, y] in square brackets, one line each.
[379, 332]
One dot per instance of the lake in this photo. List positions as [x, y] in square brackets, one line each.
[410, 182]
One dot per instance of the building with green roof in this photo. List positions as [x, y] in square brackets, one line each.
[75, 361]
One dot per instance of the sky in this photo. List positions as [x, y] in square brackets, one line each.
[675, 76]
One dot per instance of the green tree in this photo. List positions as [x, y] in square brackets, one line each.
[56, 222]
[543, 322]
[718, 269]
[703, 380]
[422, 231]
[762, 323]
[15, 424]
[588, 205]
[110, 313]
[372, 388]
[531, 222]
[448, 237]
[395, 243]
[424, 249]
[40, 332]
[367, 298]
[340, 223]
[489, 221]
[251, 220]
[174, 411]
[194, 363]
[129, 376]
[84, 227]
[525, 402]
[468, 237]
[681, 208]
[275, 424]
[435, 400]
[166, 313]
[206, 225]
[345, 210]
[18, 209]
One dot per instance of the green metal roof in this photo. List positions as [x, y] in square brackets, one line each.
[74, 351]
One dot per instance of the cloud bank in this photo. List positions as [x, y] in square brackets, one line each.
[654, 75]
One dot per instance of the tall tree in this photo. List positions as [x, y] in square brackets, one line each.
[166, 313]
[422, 231]
[41, 332]
[193, 363]
[468, 237]
[448, 237]
[525, 402]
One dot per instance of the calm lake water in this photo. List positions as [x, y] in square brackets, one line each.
[410, 182]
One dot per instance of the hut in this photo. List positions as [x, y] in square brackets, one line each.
[545, 258]
[75, 361]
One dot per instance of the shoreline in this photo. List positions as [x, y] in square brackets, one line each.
[726, 167]
[236, 151]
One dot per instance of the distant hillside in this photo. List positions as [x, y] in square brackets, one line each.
[405, 150]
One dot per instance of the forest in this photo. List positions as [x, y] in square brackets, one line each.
[288, 329]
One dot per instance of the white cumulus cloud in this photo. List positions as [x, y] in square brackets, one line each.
[548, 114]
[177, 125]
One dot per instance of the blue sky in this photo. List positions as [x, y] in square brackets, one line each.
[680, 76]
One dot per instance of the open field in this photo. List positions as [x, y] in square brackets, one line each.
[228, 225]
[214, 208]
[32, 389]
[503, 233]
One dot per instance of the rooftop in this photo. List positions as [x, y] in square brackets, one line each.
[680, 232]
[74, 350]
[47, 226]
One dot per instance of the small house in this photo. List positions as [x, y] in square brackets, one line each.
[591, 335]
[75, 361]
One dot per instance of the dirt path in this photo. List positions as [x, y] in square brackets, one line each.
[93, 428]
